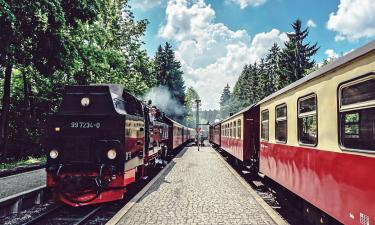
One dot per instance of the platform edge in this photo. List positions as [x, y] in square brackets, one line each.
[120, 214]
[271, 212]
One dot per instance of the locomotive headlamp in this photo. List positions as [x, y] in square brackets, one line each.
[111, 154]
[85, 101]
[53, 154]
[57, 129]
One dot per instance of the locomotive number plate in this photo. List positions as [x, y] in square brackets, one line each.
[85, 125]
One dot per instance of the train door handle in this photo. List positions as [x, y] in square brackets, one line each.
[139, 142]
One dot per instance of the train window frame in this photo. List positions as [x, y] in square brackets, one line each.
[285, 118]
[342, 110]
[302, 115]
[268, 125]
[239, 128]
[235, 129]
[230, 129]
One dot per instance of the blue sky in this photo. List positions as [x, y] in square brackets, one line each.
[215, 39]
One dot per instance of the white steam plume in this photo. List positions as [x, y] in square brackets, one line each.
[162, 99]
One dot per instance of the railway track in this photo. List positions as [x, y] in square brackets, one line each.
[61, 214]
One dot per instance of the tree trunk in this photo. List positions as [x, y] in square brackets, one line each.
[5, 111]
[26, 93]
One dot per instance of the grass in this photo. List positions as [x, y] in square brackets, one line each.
[23, 162]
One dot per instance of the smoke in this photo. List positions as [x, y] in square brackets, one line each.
[162, 99]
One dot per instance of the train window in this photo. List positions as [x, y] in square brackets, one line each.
[239, 128]
[119, 103]
[234, 129]
[307, 120]
[230, 129]
[265, 125]
[358, 93]
[357, 114]
[281, 127]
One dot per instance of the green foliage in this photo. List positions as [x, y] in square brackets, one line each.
[225, 102]
[23, 162]
[47, 44]
[190, 103]
[279, 68]
[168, 73]
[296, 56]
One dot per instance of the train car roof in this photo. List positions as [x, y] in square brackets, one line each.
[238, 113]
[369, 47]
[179, 124]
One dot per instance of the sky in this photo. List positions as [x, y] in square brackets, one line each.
[214, 39]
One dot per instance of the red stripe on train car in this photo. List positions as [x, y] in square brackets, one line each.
[340, 184]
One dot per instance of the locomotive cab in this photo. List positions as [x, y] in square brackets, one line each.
[95, 144]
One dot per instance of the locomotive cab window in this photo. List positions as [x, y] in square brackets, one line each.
[265, 125]
[281, 131]
[307, 120]
[357, 114]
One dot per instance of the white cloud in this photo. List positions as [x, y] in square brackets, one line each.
[211, 54]
[311, 23]
[145, 4]
[353, 20]
[245, 3]
[331, 54]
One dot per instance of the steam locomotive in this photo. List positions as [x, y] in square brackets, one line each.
[101, 140]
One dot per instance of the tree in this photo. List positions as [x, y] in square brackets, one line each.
[225, 102]
[276, 78]
[168, 73]
[190, 103]
[296, 56]
[47, 44]
[225, 96]
[33, 35]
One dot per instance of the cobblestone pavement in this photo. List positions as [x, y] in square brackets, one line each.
[15, 184]
[197, 189]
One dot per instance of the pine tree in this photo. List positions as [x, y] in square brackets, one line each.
[174, 81]
[265, 81]
[168, 73]
[296, 56]
[225, 96]
[159, 67]
[273, 70]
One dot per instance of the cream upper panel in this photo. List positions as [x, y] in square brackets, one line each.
[232, 120]
[326, 89]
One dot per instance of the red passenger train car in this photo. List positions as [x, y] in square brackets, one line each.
[316, 138]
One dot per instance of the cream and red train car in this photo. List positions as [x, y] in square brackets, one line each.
[178, 134]
[318, 137]
[239, 136]
[215, 134]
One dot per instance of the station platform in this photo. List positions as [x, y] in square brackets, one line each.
[18, 183]
[197, 187]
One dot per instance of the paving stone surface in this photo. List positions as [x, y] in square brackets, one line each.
[198, 190]
[18, 183]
